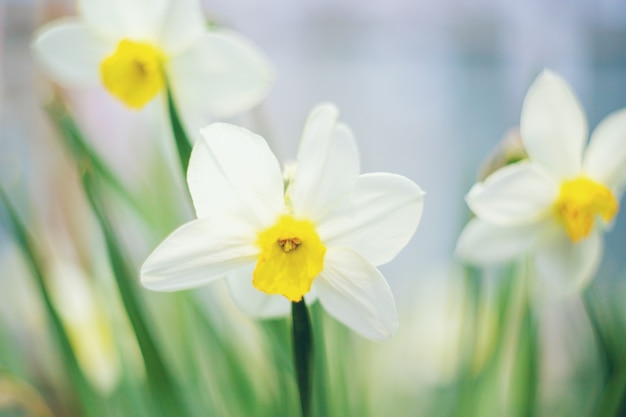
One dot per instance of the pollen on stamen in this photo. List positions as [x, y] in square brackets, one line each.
[289, 244]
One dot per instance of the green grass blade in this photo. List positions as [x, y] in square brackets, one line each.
[13, 225]
[605, 312]
[84, 154]
[161, 382]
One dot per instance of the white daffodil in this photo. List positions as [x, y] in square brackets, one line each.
[556, 204]
[88, 328]
[135, 48]
[320, 233]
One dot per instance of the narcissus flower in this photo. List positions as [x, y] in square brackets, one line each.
[556, 204]
[136, 48]
[320, 232]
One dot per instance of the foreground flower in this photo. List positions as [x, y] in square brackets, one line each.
[135, 49]
[320, 232]
[554, 205]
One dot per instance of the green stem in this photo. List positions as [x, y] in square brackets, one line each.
[303, 353]
[183, 146]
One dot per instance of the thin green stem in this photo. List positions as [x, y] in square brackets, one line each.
[303, 353]
[183, 146]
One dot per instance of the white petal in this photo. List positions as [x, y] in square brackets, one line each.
[234, 169]
[220, 74]
[514, 195]
[355, 293]
[327, 166]
[379, 219]
[198, 253]
[605, 157]
[137, 19]
[568, 267]
[553, 126]
[482, 243]
[183, 23]
[253, 302]
[71, 53]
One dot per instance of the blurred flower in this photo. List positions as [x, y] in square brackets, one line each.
[136, 48]
[509, 151]
[87, 326]
[553, 205]
[319, 233]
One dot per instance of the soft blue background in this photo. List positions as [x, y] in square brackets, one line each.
[429, 87]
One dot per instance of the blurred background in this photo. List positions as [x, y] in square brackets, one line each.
[429, 88]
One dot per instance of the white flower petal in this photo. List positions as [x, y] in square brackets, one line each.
[136, 19]
[514, 195]
[379, 218]
[482, 243]
[71, 53]
[198, 253]
[234, 169]
[220, 74]
[605, 157]
[253, 302]
[567, 267]
[183, 23]
[355, 293]
[553, 126]
[327, 166]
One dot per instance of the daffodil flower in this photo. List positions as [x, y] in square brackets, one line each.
[136, 49]
[321, 233]
[556, 204]
[90, 332]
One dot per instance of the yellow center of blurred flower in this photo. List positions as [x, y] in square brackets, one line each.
[580, 201]
[133, 73]
[292, 255]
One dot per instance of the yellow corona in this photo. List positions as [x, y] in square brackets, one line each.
[580, 201]
[134, 73]
[292, 255]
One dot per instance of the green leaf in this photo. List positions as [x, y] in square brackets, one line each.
[163, 386]
[84, 155]
[25, 241]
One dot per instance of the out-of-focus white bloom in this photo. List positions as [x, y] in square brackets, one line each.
[320, 234]
[553, 205]
[89, 330]
[136, 48]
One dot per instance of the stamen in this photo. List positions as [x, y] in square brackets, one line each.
[289, 244]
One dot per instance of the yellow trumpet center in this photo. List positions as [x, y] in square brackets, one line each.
[133, 73]
[580, 201]
[292, 255]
